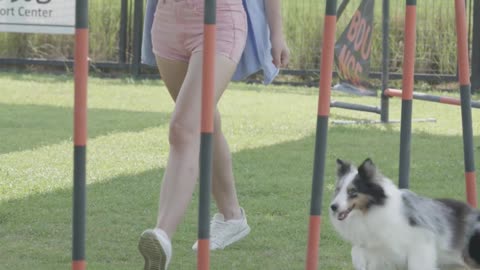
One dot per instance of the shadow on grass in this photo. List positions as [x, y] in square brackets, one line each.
[26, 127]
[273, 185]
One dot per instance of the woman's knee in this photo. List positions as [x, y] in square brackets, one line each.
[182, 134]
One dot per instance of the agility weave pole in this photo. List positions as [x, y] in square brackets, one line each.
[206, 144]
[465, 97]
[318, 180]
[407, 93]
[80, 135]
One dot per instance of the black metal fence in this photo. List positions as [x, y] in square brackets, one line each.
[116, 34]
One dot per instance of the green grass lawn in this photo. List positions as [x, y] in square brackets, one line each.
[271, 133]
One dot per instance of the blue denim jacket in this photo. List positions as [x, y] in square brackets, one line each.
[148, 57]
[256, 55]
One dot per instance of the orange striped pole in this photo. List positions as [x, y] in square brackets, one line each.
[465, 97]
[323, 112]
[80, 135]
[206, 144]
[407, 93]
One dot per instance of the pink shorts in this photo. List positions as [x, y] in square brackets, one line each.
[177, 30]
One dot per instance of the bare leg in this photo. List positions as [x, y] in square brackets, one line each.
[223, 183]
[184, 136]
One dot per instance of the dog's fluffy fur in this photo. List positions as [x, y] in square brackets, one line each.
[396, 229]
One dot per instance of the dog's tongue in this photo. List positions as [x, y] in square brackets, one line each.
[343, 215]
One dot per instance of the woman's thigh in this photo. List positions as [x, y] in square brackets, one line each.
[188, 103]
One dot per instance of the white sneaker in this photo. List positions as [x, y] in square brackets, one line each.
[156, 249]
[224, 233]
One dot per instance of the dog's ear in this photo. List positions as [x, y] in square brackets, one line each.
[367, 170]
[343, 167]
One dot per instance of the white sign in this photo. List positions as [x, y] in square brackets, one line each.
[37, 16]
